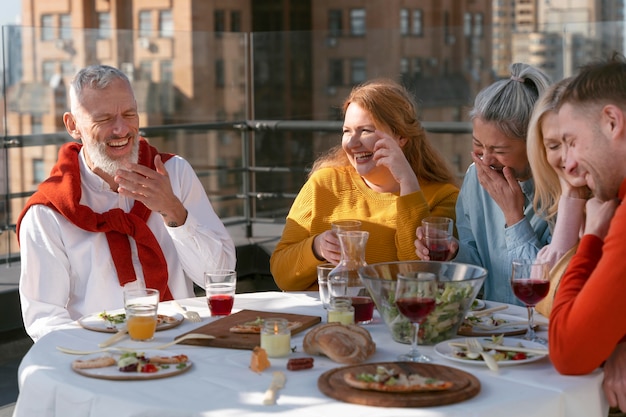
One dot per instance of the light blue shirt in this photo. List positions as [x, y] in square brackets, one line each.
[485, 239]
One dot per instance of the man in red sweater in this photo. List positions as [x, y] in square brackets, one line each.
[588, 319]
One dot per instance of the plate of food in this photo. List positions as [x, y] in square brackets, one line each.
[505, 350]
[494, 324]
[126, 366]
[112, 321]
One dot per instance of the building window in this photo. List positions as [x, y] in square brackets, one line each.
[335, 72]
[404, 22]
[166, 24]
[478, 25]
[404, 67]
[37, 125]
[104, 25]
[145, 70]
[357, 71]
[67, 68]
[417, 29]
[235, 21]
[219, 73]
[335, 26]
[467, 24]
[66, 26]
[417, 66]
[166, 71]
[48, 69]
[39, 175]
[357, 22]
[219, 24]
[145, 24]
[47, 28]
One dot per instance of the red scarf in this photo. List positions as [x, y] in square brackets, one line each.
[62, 192]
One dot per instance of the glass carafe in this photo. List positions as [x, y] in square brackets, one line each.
[344, 280]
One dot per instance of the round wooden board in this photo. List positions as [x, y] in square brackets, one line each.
[466, 386]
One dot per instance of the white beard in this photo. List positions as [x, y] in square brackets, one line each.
[99, 158]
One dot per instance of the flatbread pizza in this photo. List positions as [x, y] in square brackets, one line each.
[256, 326]
[387, 380]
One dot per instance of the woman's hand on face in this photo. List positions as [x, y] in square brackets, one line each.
[422, 251]
[569, 190]
[503, 187]
[388, 153]
[326, 246]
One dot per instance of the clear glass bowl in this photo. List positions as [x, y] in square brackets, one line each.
[458, 286]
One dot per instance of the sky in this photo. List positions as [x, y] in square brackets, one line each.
[9, 10]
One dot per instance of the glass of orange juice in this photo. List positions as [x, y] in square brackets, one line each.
[141, 307]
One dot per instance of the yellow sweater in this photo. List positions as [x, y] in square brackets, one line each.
[340, 193]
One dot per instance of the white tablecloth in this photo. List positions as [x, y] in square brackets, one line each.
[221, 383]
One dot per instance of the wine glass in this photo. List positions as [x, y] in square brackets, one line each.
[530, 283]
[416, 294]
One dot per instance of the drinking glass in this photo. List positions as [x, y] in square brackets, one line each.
[416, 294]
[141, 307]
[345, 225]
[437, 236]
[530, 283]
[220, 288]
[322, 281]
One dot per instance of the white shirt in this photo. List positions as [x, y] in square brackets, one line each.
[67, 272]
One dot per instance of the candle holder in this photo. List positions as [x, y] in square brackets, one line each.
[276, 337]
[340, 310]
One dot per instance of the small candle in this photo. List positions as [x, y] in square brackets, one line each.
[276, 338]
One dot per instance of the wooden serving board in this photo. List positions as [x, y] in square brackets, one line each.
[224, 338]
[466, 386]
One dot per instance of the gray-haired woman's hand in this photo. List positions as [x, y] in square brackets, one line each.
[423, 252]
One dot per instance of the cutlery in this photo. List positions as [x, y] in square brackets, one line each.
[192, 316]
[114, 339]
[474, 346]
[128, 349]
[488, 311]
[487, 345]
[484, 326]
[278, 382]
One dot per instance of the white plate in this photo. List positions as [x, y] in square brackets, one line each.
[95, 323]
[506, 330]
[446, 351]
[113, 373]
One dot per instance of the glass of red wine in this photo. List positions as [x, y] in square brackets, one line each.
[437, 237]
[416, 294]
[530, 282]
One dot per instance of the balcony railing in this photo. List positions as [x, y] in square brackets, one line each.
[252, 111]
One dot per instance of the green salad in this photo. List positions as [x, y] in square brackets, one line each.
[441, 324]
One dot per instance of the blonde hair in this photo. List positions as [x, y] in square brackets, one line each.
[547, 184]
[393, 110]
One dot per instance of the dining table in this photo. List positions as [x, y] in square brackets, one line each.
[221, 383]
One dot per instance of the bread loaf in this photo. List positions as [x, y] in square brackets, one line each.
[348, 344]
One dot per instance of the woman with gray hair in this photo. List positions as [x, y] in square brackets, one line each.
[496, 221]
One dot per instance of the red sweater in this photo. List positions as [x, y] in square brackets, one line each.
[588, 318]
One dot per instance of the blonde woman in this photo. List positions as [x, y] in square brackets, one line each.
[385, 173]
[556, 190]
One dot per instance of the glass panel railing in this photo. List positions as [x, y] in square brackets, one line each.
[252, 111]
